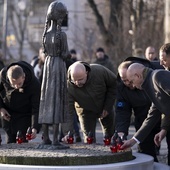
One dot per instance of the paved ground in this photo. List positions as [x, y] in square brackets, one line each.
[99, 135]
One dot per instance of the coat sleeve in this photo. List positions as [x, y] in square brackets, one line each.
[162, 79]
[165, 122]
[164, 83]
[123, 111]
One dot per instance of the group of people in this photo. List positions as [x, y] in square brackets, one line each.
[20, 79]
[155, 85]
[93, 91]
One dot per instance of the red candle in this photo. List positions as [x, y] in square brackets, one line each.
[28, 134]
[119, 143]
[19, 137]
[28, 137]
[90, 140]
[19, 140]
[113, 148]
[119, 147]
[106, 141]
[70, 140]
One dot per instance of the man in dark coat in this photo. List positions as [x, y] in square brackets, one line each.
[156, 84]
[92, 91]
[19, 100]
[132, 100]
[164, 58]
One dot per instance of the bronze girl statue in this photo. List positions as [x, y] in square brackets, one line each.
[53, 101]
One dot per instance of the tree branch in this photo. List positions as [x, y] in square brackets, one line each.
[99, 18]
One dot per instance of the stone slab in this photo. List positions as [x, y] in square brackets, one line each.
[142, 162]
[77, 154]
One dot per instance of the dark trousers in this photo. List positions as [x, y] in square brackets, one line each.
[88, 124]
[16, 123]
[148, 146]
[76, 129]
[76, 126]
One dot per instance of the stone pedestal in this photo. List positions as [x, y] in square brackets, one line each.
[77, 154]
[141, 162]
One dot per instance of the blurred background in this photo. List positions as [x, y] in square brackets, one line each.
[121, 27]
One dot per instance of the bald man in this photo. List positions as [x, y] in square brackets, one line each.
[92, 92]
[78, 74]
[150, 53]
[156, 84]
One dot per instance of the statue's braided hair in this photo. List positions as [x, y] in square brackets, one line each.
[56, 11]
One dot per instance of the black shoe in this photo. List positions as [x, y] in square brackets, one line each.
[78, 139]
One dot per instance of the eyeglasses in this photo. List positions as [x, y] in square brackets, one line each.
[77, 81]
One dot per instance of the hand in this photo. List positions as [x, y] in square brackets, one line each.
[5, 115]
[34, 133]
[159, 136]
[64, 139]
[104, 114]
[128, 143]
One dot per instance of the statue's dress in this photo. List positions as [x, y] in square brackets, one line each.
[53, 101]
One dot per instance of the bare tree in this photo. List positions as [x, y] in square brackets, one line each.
[143, 19]
[18, 15]
[109, 32]
[147, 22]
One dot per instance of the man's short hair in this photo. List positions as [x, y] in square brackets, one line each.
[15, 72]
[165, 48]
[124, 64]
